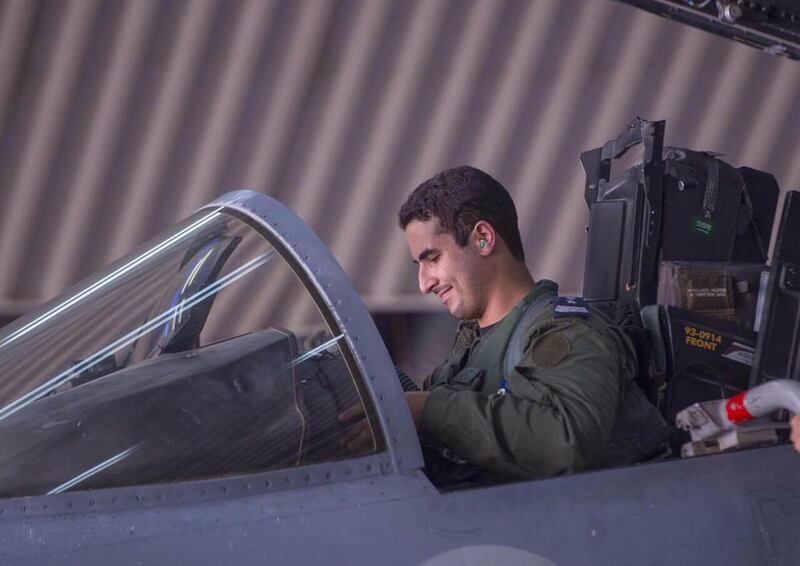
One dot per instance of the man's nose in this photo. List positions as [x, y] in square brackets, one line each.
[426, 281]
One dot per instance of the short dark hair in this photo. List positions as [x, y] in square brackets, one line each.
[459, 198]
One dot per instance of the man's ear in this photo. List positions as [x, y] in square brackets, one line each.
[484, 237]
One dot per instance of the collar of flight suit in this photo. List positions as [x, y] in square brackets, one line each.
[488, 353]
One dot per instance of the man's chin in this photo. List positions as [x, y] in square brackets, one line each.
[458, 311]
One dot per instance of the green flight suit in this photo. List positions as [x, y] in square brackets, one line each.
[560, 403]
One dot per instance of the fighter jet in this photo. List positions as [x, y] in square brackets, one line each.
[140, 425]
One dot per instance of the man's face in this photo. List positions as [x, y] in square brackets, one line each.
[450, 272]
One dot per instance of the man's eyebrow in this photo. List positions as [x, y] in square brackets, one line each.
[425, 254]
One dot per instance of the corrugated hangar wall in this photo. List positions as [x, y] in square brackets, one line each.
[119, 117]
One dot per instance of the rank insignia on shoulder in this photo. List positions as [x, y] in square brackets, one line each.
[570, 306]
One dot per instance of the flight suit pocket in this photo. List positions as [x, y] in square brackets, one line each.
[469, 379]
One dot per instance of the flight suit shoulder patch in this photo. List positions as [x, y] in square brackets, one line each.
[549, 350]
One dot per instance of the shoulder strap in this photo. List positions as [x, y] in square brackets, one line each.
[516, 345]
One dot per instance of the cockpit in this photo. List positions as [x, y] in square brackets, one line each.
[145, 375]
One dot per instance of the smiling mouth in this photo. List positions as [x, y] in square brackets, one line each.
[444, 293]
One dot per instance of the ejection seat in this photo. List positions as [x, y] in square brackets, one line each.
[677, 253]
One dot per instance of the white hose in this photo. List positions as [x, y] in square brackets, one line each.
[773, 395]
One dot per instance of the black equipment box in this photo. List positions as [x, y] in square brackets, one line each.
[706, 359]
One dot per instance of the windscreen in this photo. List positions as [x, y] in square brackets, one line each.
[199, 355]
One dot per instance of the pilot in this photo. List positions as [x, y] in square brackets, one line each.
[553, 413]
